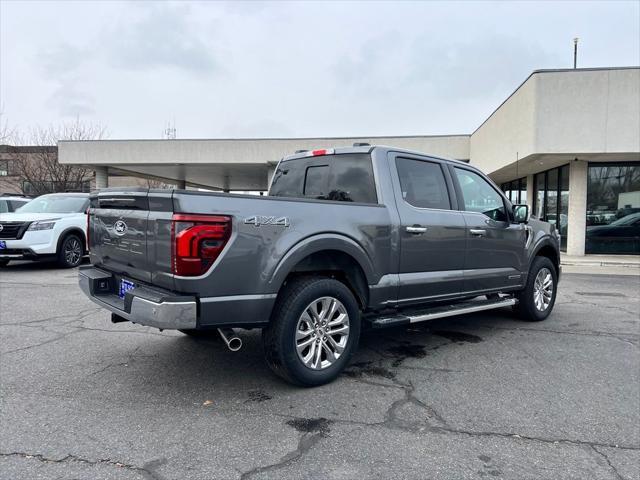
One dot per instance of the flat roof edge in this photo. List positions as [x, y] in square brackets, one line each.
[261, 139]
[549, 70]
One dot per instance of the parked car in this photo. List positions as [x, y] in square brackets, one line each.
[9, 203]
[347, 238]
[621, 236]
[50, 226]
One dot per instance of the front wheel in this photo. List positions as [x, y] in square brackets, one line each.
[71, 251]
[314, 331]
[536, 301]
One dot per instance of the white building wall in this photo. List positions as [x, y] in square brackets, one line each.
[579, 112]
[592, 111]
[508, 134]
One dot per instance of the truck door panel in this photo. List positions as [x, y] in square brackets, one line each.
[432, 235]
[495, 247]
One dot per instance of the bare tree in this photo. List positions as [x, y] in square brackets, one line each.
[40, 172]
[153, 183]
[7, 133]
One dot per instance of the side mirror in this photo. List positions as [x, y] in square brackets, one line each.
[521, 213]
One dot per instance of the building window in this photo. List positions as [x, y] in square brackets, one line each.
[551, 199]
[516, 190]
[48, 186]
[4, 168]
[613, 209]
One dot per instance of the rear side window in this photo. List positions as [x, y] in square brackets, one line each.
[342, 178]
[315, 181]
[352, 180]
[423, 184]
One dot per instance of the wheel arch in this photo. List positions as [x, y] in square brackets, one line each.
[72, 230]
[331, 255]
[546, 248]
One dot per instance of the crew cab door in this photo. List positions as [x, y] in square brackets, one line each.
[432, 232]
[495, 255]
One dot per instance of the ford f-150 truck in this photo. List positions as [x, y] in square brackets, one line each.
[347, 238]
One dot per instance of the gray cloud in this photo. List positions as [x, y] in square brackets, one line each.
[69, 100]
[162, 37]
[292, 68]
[62, 59]
[476, 68]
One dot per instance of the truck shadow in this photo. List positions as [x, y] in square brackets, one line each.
[178, 368]
[37, 265]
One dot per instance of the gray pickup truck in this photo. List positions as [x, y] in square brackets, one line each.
[348, 238]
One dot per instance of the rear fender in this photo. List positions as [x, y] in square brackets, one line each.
[318, 243]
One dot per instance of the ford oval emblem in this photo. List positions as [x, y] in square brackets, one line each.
[120, 227]
[1, 227]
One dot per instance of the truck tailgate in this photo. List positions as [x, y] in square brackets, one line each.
[124, 225]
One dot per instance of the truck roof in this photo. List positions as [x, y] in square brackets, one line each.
[370, 149]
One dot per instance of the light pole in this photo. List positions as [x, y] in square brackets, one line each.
[575, 52]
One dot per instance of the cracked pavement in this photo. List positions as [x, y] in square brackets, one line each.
[481, 396]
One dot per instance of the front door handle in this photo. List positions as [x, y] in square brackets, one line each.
[416, 230]
[477, 232]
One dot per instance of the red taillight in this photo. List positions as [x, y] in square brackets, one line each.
[197, 241]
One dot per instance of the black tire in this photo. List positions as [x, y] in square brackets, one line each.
[526, 308]
[4, 263]
[279, 338]
[71, 251]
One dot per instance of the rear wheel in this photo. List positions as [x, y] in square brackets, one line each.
[536, 301]
[71, 251]
[314, 331]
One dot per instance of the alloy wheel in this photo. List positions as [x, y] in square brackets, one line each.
[543, 289]
[322, 333]
[72, 251]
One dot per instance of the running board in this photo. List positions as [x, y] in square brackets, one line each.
[441, 312]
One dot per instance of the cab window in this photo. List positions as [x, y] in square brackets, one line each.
[422, 184]
[480, 196]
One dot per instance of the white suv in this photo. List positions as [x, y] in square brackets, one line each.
[53, 226]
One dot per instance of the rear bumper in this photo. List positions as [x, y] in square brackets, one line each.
[142, 305]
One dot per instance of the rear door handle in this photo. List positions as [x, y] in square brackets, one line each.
[416, 230]
[477, 232]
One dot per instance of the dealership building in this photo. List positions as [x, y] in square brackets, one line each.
[566, 142]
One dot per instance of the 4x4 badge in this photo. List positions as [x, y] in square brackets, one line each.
[259, 220]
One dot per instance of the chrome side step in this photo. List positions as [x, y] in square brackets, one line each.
[441, 312]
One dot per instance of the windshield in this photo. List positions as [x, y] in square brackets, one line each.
[627, 220]
[55, 204]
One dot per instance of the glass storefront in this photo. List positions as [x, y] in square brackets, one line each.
[613, 208]
[551, 199]
[516, 190]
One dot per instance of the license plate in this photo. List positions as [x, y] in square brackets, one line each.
[3, 245]
[125, 286]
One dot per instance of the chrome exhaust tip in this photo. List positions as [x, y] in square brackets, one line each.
[233, 341]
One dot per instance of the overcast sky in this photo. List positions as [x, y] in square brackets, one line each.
[294, 68]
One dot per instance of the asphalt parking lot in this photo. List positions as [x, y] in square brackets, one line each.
[481, 396]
